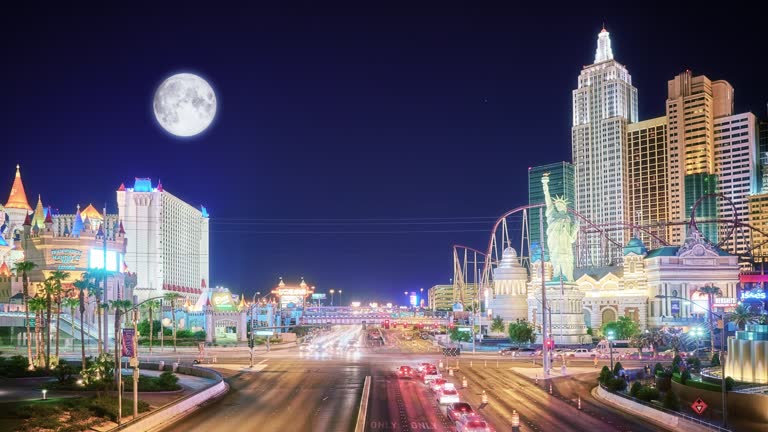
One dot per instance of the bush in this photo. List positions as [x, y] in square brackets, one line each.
[693, 363]
[167, 381]
[715, 360]
[671, 401]
[605, 375]
[616, 384]
[648, 393]
[636, 386]
[65, 372]
[729, 383]
[664, 382]
[658, 368]
[616, 368]
[685, 377]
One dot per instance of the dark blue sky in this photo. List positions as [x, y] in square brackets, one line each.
[398, 115]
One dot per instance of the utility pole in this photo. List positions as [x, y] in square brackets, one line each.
[135, 358]
[104, 291]
[544, 348]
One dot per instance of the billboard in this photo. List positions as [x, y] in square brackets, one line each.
[66, 258]
[222, 301]
[320, 296]
[114, 260]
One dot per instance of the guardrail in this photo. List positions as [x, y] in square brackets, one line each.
[699, 421]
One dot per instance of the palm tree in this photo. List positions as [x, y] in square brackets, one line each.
[711, 292]
[742, 316]
[498, 324]
[71, 303]
[172, 298]
[673, 336]
[149, 306]
[94, 290]
[49, 291]
[25, 267]
[82, 286]
[37, 305]
[56, 277]
[120, 306]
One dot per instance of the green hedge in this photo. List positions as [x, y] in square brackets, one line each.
[697, 384]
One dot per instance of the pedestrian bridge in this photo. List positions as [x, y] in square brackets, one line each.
[358, 316]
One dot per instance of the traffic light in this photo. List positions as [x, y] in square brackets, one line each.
[250, 342]
[550, 343]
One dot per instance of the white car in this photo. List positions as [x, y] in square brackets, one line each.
[447, 395]
[582, 353]
[472, 423]
[437, 384]
[429, 375]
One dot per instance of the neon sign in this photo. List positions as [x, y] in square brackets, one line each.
[759, 295]
[67, 258]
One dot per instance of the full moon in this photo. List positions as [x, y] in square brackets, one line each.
[184, 104]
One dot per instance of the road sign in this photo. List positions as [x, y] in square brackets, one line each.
[32, 322]
[699, 406]
[465, 329]
[264, 332]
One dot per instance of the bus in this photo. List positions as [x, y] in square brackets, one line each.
[621, 348]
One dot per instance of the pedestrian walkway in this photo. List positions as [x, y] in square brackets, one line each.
[538, 372]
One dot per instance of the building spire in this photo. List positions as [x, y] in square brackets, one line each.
[18, 198]
[604, 52]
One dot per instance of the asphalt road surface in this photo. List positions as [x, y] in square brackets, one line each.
[289, 390]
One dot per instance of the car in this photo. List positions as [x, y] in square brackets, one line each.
[645, 355]
[527, 352]
[581, 353]
[422, 366]
[472, 423]
[701, 353]
[436, 384]
[509, 351]
[670, 354]
[447, 395]
[405, 372]
[430, 374]
[456, 410]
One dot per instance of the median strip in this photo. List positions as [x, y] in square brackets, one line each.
[362, 413]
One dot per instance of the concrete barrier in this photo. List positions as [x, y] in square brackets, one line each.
[362, 413]
[668, 421]
[166, 415]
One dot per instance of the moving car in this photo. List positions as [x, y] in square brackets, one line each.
[447, 395]
[405, 372]
[423, 366]
[456, 410]
[472, 423]
[509, 351]
[701, 353]
[581, 353]
[430, 374]
[436, 384]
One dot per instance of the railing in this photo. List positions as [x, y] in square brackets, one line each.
[703, 422]
[752, 390]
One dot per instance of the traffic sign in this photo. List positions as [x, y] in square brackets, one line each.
[464, 329]
[264, 332]
[699, 406]
[32, 322]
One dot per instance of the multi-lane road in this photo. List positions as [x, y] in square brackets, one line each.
[289, 390]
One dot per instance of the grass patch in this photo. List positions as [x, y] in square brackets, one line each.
[16, 367]
[167, 381]
[703, 385]
[67, 415]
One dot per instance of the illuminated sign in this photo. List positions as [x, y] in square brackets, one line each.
[414, 300]
[318, 296]
[222, 301]
[759, 295]
[725, 301]
[67, 258]
[114, 260]
[355, 304]
[291, 292]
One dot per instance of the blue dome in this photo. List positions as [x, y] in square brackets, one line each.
[636, 246]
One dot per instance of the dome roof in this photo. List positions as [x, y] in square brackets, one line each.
[636, 246]
[509, 268]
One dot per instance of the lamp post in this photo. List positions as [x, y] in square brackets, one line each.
[250, 341]
[340, 297]
[332, 291]
[610, 336]
[722, 317]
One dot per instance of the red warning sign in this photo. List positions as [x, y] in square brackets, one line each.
[699, 406]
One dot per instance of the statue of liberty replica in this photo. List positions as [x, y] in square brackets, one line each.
[563, 297]
[561, 234]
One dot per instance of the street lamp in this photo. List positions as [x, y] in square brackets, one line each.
[340, 298]
[610, 336]
[722, 349]
[332, 291]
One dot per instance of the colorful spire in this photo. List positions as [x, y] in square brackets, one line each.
[122, 231]
[27, 220]
[121, 188]
[18, 198]
[159, 185]
[48, 218]
[77, 226]
[100, 232]
[39, 216]
[4, 270]
[202, 284]
[91, 213]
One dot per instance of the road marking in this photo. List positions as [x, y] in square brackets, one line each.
[363, 411]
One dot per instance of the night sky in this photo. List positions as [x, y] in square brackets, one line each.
[351, 147]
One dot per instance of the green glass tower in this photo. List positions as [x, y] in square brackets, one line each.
[696, 186]
[561, 183]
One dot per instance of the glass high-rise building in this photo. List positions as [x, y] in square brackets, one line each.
[561, 183]
[696, 186]
[604, 103]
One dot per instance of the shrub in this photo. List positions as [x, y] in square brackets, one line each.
[605, 375]
[616, 384]
[65, 372]
[693, 363]
[658, 368]
[685, 377]
[616, 368]
[636, 386]
[169, 379]
[648, 393]
[664, 382]
[715, 360]
[671, 401]
[729, 383]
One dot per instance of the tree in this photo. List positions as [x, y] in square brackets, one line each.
[56, 277]
[741, 316]
[673, 336]
[95, 291]
[498, 324]
[37, 305]
[149, 306]
[521, 331]
[82, 286]
[120, 306]
[623, 328]
[48, 291]
[455, 334]
[25, 267]
[650, 338]
[711, 292]
[172, 298]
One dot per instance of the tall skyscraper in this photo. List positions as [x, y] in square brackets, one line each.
[647, 179]
[737, 166]
[561, 183]
[604, 103]
[167, 244]
[693, 104]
